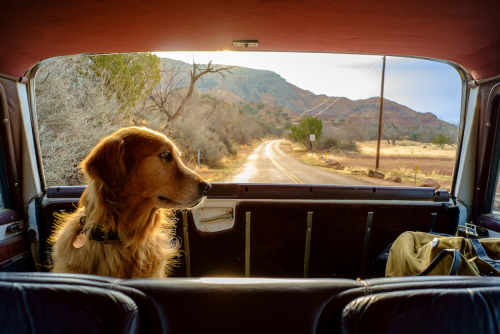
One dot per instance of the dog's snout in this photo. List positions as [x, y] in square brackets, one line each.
[205, 186]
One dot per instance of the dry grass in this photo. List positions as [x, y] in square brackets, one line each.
[408, 149]
[431, 161]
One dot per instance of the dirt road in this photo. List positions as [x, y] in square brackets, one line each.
[269, 164]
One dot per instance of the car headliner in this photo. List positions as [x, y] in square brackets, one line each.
[464, 32]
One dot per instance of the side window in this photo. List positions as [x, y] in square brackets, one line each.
[5, 202]
[493, 194]
[496, 202]
[2, 198]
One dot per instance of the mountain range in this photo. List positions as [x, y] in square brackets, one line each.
[254, 86]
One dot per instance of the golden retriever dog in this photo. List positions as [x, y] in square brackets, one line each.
[123, 225]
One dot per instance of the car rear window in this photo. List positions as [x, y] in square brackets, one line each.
[254, 117]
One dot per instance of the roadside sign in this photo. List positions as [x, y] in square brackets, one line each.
[312, 137]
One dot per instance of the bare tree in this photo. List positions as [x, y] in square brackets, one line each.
[171, 97]
[391, 133]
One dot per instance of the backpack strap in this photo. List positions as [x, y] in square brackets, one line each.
[481, 254]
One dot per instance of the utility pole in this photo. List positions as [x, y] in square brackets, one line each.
[380, 115]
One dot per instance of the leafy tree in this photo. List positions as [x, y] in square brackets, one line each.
[441, 140]
[308, 125]
[129, 77]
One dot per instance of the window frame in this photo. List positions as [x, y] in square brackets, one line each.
[494, 172]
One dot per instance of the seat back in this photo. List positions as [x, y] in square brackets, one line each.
[215, 305]
[464, 310]
[243, 305]
[62, 308]
[293, 239]
[84, 303]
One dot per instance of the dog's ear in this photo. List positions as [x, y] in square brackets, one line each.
[106, 162]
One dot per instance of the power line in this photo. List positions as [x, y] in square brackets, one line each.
[319, 105]
[330, 97]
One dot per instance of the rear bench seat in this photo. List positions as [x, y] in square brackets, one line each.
[245, 305]
[405, 287]
[216, 305]
[464, 310]
[39, 307]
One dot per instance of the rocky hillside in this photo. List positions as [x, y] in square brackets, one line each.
[259, 86]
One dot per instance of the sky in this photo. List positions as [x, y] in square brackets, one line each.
[422, 85]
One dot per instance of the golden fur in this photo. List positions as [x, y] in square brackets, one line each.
[135, 177]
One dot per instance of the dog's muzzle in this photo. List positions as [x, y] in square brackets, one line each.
[205, 187]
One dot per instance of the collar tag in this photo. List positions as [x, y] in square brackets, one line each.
[80, 239]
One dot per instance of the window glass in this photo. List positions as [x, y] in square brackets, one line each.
[260, 117]
[2, 200]
[496, 202]
[494, 191]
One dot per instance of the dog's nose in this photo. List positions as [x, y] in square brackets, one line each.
[205, 186]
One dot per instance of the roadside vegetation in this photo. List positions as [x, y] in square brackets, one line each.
[79, 100]
[408, 163]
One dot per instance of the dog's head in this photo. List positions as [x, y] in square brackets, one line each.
[143, 164]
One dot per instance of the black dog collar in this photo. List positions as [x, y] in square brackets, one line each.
[98, 234]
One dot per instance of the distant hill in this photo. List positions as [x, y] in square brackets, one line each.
[254, 86]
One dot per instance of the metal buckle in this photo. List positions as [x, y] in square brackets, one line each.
[218, 218]
[470, 230]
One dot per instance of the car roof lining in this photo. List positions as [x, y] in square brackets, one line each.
[455, 31]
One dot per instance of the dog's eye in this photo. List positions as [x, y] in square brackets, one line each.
[167, 156]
